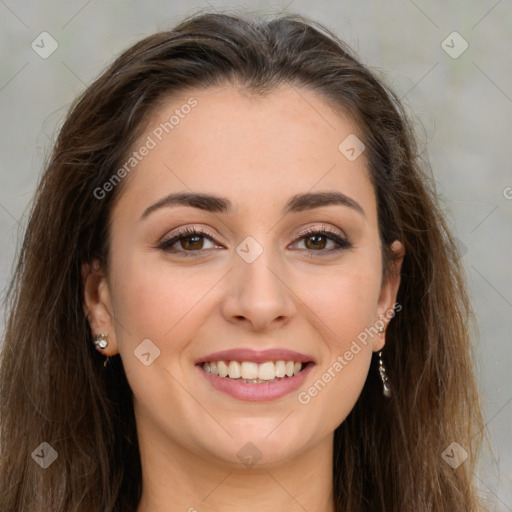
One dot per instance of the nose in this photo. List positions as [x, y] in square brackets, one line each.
[257, 295]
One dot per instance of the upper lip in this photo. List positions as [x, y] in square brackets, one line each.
[256, 356]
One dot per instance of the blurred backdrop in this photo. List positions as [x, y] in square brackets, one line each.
[450, 63]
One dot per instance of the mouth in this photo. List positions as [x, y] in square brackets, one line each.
[255, 376]
[249, 372]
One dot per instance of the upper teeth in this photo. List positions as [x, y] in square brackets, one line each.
[250, 370]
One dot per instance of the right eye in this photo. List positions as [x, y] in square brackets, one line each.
[190, 239]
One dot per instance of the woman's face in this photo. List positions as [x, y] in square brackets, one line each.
[253, 279]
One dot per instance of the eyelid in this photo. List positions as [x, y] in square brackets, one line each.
[188, 230]
[316, 229]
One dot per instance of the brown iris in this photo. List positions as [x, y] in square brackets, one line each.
[192, 242]
[319, 242]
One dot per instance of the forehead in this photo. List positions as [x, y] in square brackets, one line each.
[223, 141]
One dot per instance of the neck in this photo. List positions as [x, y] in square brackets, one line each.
[177, 480]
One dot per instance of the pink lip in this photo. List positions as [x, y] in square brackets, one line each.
[247, 354]
[256, 392]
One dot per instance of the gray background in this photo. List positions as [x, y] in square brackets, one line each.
[462, 107]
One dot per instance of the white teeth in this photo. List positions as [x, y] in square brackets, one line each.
[234, 370]
[223, 368]
[213, 368]
[280, 368]
[267, 371]
[248, 371]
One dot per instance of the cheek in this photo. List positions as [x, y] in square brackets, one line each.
[345, 303]
[346, 310]
[344, 299]
[152, 298]
[165, 305]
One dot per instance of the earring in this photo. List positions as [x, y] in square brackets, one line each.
[100, 340]
[386, 388]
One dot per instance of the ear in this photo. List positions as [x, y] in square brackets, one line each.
[389, 291]
[97, 305]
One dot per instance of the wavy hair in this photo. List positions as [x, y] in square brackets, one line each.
[53, 385]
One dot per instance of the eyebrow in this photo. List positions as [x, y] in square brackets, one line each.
[216, 204]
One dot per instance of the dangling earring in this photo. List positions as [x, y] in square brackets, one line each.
[386, 388]
[100, 340]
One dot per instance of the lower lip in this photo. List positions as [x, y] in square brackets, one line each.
[257, 392]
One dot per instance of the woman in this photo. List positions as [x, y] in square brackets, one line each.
[237, 291]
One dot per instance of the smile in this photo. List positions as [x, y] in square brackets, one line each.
[251, 372]
[271, 387]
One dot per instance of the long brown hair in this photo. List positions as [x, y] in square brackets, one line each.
[53, 385]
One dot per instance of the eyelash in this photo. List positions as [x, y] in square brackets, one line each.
[343, 243]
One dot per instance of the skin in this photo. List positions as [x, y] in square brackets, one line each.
[256, 152]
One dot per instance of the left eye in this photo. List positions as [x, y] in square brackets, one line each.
[317, 241]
